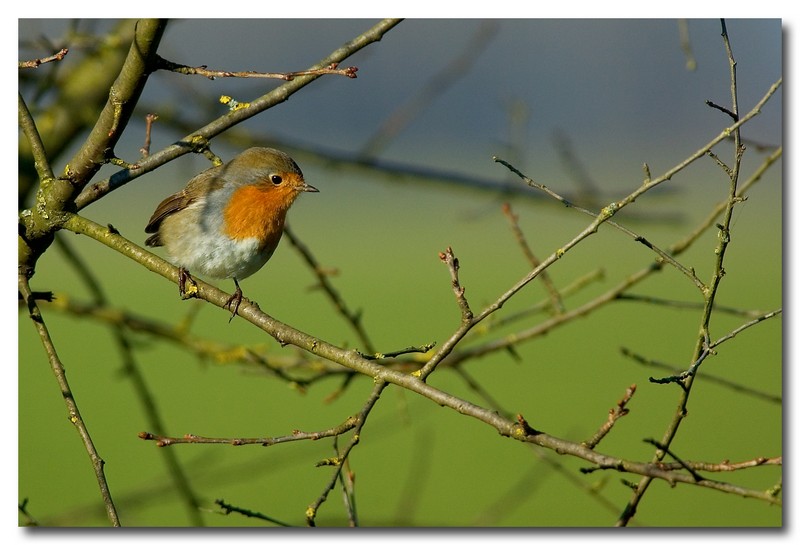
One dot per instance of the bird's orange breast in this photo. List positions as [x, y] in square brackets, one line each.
[254, 212]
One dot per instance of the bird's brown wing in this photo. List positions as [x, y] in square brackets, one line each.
[199, 185]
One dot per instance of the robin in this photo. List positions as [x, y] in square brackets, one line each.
[228, 220]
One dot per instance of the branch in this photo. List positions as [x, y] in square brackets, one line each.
[332, 68]
[227, 509]
[35, 63]
[613, 415]
[360, 419]
[296, 435]
[725, 465]
[40, 159]
[449, 259]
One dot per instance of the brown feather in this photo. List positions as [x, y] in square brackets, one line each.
[198, 186]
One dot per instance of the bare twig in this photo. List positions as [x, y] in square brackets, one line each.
[725, 465]
[35, 63]
[614, 414]
[735, 386]
[323, 278]
[332, 68]
[751, 323]
[228, 509]
[359, 420]
[449, 259]
[555, 297]
[708, 349]
[149, 120]
[296, 435]
[693, 305]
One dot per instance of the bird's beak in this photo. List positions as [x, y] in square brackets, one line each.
[309, 188]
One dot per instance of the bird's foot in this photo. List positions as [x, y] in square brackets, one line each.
[234, 301]
[187, 287]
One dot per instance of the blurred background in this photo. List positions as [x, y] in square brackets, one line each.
[402, 156]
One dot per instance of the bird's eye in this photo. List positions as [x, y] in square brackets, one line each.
[276, 179]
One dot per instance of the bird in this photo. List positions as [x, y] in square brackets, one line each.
[228, 220]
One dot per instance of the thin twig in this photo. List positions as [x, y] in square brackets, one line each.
[732, 334]
[323, 277]
[449, 259]
[35, 63]
[709, 377]
[724, 466]
[555, 297]
[332, 68]
[297, 435]
[148, 127]
[614, 414]
[360, 419]
[227, 509]
[408, 350]
[708, 349]
[694, 305]
[610, 210]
